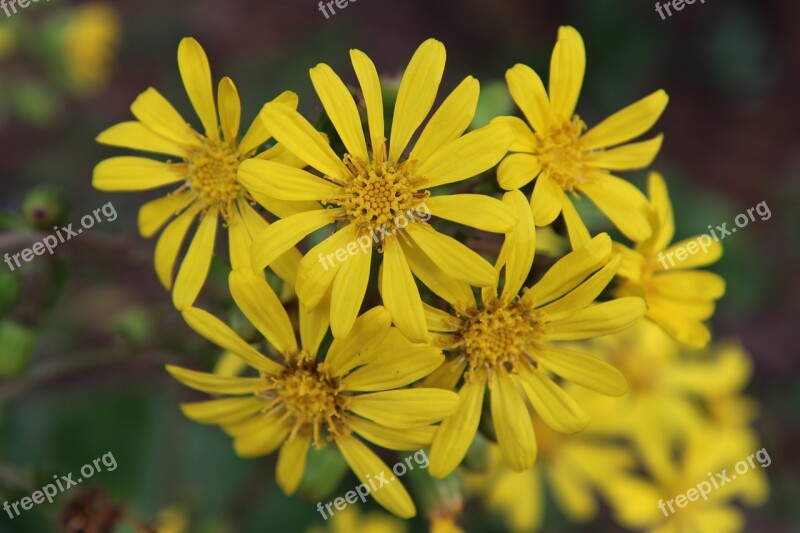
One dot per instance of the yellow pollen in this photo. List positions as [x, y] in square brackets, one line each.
[212, 173]
[308, 399]
[562, 154]
[379, 194]
[502, 334]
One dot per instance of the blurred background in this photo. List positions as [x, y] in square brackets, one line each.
[85, 333]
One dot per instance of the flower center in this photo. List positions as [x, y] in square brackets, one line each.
[503, 334]
[561, 153]
[380, 195]
[212, 173]
[306, 396]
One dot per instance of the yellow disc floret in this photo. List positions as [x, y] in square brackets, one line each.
[562, 154]
[212, 173]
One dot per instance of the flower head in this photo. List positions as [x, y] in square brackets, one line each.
[207, 174]
[507, 343]
[381, 196]
[304, 400]
[556, 149]
[679, 298]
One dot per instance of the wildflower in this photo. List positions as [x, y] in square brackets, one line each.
[209, 188]
[90, 42]
[297, 402]
[507, 343]
[374, 189]
[555, 149]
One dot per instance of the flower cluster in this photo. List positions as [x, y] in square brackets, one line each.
[425, 339]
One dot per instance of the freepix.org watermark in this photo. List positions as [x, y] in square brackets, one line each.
[375, 484]
[62, 484]
[362, 243]
[6, 4]
[717, 480]
[703, 241]
[62, 235]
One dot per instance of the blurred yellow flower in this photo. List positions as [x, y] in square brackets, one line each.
[173, 519]
[507, 344]
[350, 519]
[8, 41]
[209, 187]
[90, 44]
[681, 299]
[373, 189]
[554, 147]
[297, 402]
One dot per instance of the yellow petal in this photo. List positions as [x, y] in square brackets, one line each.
[349, 288]
[524, 139]
[467, 156]
[394, 368]
[194, 268]
[583, 369]
[546, 200]
[453, 291]
[567, 68]
[169, 244]
[693, 285]
[405, 408]
[439, 320]
[229, 364]
[517, 170]
[512, 423]
[622, 203]
[628, 123]
[320, 265]
[373, 100]
[230, 109]
[280, 236]
[661, 216]
[572, 269]
[155, 112]
[572, 492]
[596, 320]
[299, 136]
[528, 92]
[263, 309]
[406, 439]
[369, 330]
[706, 251]
[258, 133]
[686, 330]
[452, 257]
[292, 462]
[137, 136]
[519, 246]
[557, 408]
[213, 384]
[629, 156]
[416, 94]
[456, 433]
[578, 234]
[475, 210]
[314, 325]
[196, 75]
[447, 375]
[366, 465]
[224, 411]
[341, 109]
[584, 294]
[213, 329]
[449, 121]
[400, 294]
[134, 174]
[262, 439]
[239, 239]
[632, 262]
[283, 182]
[285, 266]
[156, 213]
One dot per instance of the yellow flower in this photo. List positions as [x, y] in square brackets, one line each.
[209, 186]
[375, 190]
[565, 157]
[572, 467]
[506, 343]
[678, 298]
[90, 44]
[298, 401]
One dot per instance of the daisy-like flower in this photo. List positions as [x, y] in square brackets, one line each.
[509, 343]
[678, 297]
[206, 172]
[381, 196]
[299, 402]
[564, 158]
